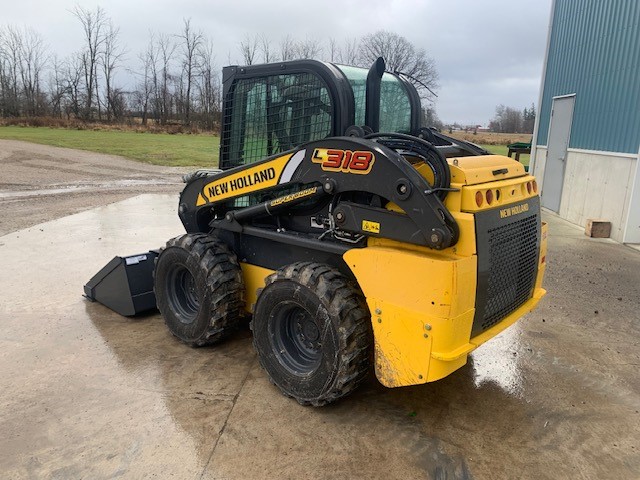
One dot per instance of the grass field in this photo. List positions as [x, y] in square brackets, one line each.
[199, 150]
[503, 150]
[157, 148]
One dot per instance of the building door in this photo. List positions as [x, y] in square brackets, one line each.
[557, 144]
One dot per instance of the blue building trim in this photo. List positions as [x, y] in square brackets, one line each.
[594, 52]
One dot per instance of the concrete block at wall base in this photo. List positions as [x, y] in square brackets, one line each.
[597, 228]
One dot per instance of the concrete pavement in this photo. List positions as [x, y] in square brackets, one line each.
[85, 393]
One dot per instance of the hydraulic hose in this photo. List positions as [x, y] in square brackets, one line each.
[435, 160]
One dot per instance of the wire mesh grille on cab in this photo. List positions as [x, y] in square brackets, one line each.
[272, 114]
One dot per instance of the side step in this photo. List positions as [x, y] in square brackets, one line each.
[125, 284]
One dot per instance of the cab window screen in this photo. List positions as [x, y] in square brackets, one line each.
[276, 113]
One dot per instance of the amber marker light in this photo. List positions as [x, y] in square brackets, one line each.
[479, 198]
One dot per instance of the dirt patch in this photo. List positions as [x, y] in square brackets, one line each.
[39, 183]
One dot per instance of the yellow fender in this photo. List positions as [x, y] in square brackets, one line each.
[422, 309]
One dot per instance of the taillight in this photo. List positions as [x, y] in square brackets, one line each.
[535, 186]
[479, 198]
[529, 188]
[489, 197]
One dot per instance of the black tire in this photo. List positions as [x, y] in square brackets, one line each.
[199, 289]
[312, 331]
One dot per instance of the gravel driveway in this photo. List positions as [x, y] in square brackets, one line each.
[39, 183]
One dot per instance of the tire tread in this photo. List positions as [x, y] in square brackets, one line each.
[344, 300]
[223, 280]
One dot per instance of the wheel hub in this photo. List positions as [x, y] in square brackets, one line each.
[183, 295]
[307, 330]
[297, 338]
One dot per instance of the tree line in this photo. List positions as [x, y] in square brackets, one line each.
[174, 80]
[175, 77]
[512, 120]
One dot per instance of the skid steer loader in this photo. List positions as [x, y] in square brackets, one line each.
[349, 233]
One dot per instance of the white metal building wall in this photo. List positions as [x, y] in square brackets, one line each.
[599, 185]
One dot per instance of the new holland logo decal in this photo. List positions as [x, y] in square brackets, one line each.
[263, 175]
[246, 181]
[515, 210]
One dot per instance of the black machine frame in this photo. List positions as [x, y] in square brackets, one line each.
[425, 221]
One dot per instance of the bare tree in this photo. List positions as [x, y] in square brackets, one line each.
[248, 49]
[118, 102]
[348, 54]
[333, 50]
[265, 48]
[287, 48]
[402, 56]
[208, 86]
[430, 118]
[58, 88]
[162, 78]
[22, 64]
[93, 24]
[74, 72]
[32, 64]
[191, 42]
[308, 48]
[4, 77]
[10, 46]
[145, 85]
[528, 119]
[506, 120]
[110, 56]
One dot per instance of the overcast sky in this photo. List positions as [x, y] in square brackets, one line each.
[487, 52]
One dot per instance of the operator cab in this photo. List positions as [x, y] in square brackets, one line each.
[273, 108]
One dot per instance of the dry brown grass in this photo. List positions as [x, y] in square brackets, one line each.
[491, 138]
[75, 124]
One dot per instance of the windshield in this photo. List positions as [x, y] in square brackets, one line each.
[395, 107]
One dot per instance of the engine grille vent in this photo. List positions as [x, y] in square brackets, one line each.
[507, 268]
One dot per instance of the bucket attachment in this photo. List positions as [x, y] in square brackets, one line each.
[125, 284]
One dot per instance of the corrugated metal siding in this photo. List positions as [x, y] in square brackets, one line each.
[594, 52]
